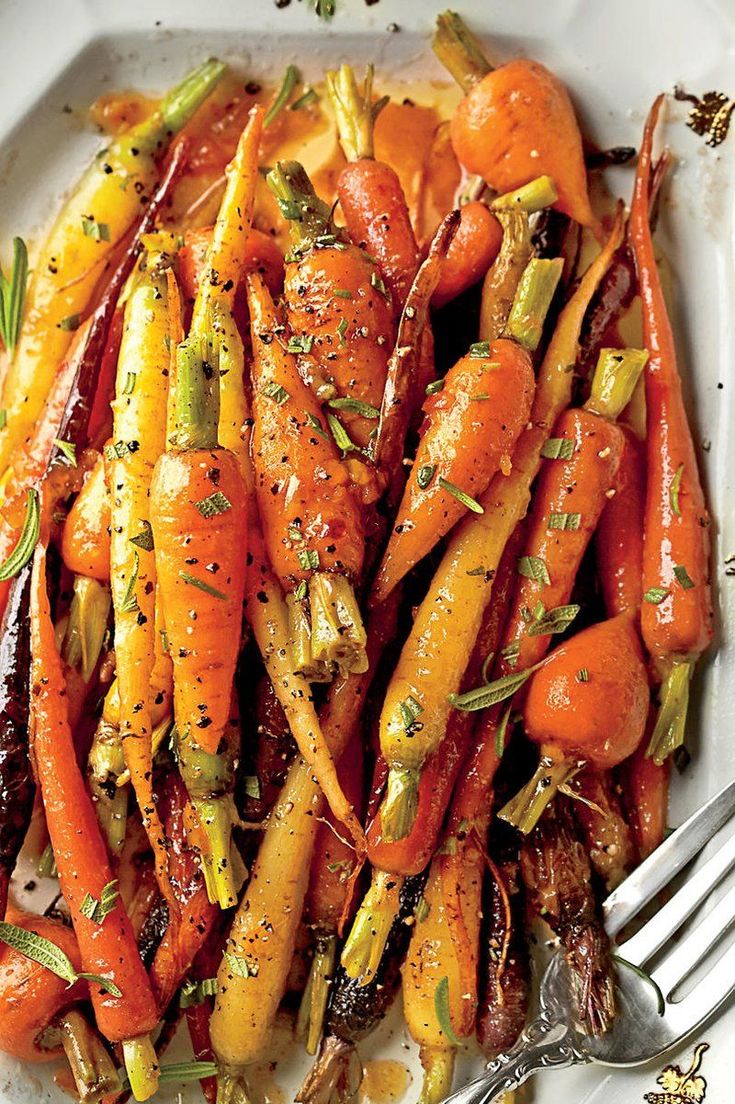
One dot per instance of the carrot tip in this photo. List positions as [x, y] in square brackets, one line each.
[438, 1065]
[141, 1066]
[314, 1002]
[400, 804]
[524, 810]
[364, 947]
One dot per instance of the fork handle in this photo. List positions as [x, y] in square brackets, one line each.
[544, 1044]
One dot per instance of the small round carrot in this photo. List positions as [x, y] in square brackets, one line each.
[85, 545]
[339, 310]
[472, 424]
[514, 122]
[676, 613]
[470, 255]
[369, 190]
[619, 538]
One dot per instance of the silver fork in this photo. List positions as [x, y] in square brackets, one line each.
[640, 1031]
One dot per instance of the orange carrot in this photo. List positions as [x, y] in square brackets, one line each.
[475, 247]
[619, 538]
[85, 545]
[260, 254]
[646, 795]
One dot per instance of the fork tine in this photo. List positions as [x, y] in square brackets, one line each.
[706, 997]
[652, 936]
[667, 860]
[680, 962]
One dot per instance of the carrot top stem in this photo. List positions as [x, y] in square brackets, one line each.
[105, 764]
[231, 1087]
[309, 217]
[501, 281]
[458, 50]
[438, 1064]
[614, 381]
[400, 803]
[92, 1068]
[669, 730]
[300, 643]
[531, 197]
[177, 106]
[337, 633]
[523, 810]
[532, 301]
[355, 111]
[364, 947]
[197, 393]
[314, 1001]
[141, 1066]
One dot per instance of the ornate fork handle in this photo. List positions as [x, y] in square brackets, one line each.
[546, 1043]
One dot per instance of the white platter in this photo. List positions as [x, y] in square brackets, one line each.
[615, 56]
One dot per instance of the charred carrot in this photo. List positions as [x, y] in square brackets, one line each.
[121, 993]
[95, 219]
[503, 277]
[310, 511]
[339, 311]
[586, 704]
[514, 122]
[369, 190]
[85, 546]
[676, 613]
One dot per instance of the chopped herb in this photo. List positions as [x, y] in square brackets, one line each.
[252, 786]
[47, 954]
[196, 992]
[378, 283]
[202, 585]
[674, 488]
[355, 406]
[582, 675]
[12, 296]
[422, 909]
[661, 1003]
[324, 8]
[129, 385]
[300, 343]
[491, 694]
[558, 448]
[342, 293]
[479, 349]
[290, 79]
[655, 595]
[294, 533]
[130, 602]
[27, 540]
[410, 709]
[97, 910]
[273, 390]
[68, 450]
[300, 592]
[165, 643]
[435, 387]
[213, 504]
[554, 621]
[501, 731]
[564, 521]
[682, 577]
[3, 419]
[341, 330]
[441, 1007]
[308, 559]
[117, 450]
[70, 323]
[461, 496]
[100, 231]
[308, 97]
[511, 652]
[344, 866]
[144, 539]
[237, 965]
[424, 476]
[316, 425]
[340, 434]
[533, 567]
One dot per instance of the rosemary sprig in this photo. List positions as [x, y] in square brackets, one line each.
[12, 296]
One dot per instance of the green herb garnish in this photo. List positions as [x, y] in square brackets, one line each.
[553, 621]
[47, 954]
[564, 521]
[674, 488]
[424, 475]
[213, 504]
[355, 406]
[558, 448]
[27, 540]
[68, 450]
[12, 296]
[308, 559]
[100, 231]
[655, 595]
[202, 585]
[441, 1007]
[97, 910]
[461, 496]
[533, 567]
[290, 79]
[273, 390]
[683, 577]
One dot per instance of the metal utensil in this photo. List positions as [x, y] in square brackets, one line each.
[640, 1031]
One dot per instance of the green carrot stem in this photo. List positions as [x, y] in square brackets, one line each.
[314, 1002]
[614, 381]
[355, 111]
[290, 79]
[197, 393]
[523, 810]
[177, 107]
[400, 803]
[105, 765]
[309, 217]
[459, 51]
[531, 197]
[231, 1087]
[670, 728]
[46, 867]
[365, 944]
[93, 1070]
[216, 818]
[532, 301]
[141, 1066]
[438, 1065]
[337, 633]
[501, 282]
[299, 635]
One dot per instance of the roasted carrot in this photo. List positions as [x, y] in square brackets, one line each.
[94, 220]
[514, 122]
[310, 510]
[369, 190]
[619, 538]
[471, 426]
[273, 754]
[645, 786]
[107, 945]
[605, 831]
[260, 254]
[502, 278]
[85, 546]
[339, 310]
[676, 613]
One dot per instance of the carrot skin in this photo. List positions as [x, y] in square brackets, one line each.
[474, 248]
[676, 532]
[377, 219]
[605, 831]
[85, 544]
[109, 948]
[619, 538]
[645, 787]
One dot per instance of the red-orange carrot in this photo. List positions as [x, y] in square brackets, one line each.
[470, 255]
[261, 254]
[619, 538]
[676, 613]
[645, 787]
[85, 544]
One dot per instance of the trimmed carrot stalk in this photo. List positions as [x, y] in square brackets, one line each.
[619, 538]
[92, 222]
[587, 704]
[107, 948]
[472, 425]
[676, 614]
[405, 742]
[85, 545]
[311, 514]
[606, 834]
[139, 439]
[340, 313]
[514, 122]
[370, 192]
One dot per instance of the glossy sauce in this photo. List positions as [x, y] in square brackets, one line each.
[384, 1081]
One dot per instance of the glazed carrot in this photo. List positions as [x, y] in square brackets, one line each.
[514, 122]
[85, 545]
[471, 427]
[676, 613]
[605, 831]
[370, 192]
[94, 220]
[502, 278]
[260, 254]
[619, 538]
[107, 947]
[310, 511]
[645, 786]
[586, 704]
[339, 311]
[199, 515]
